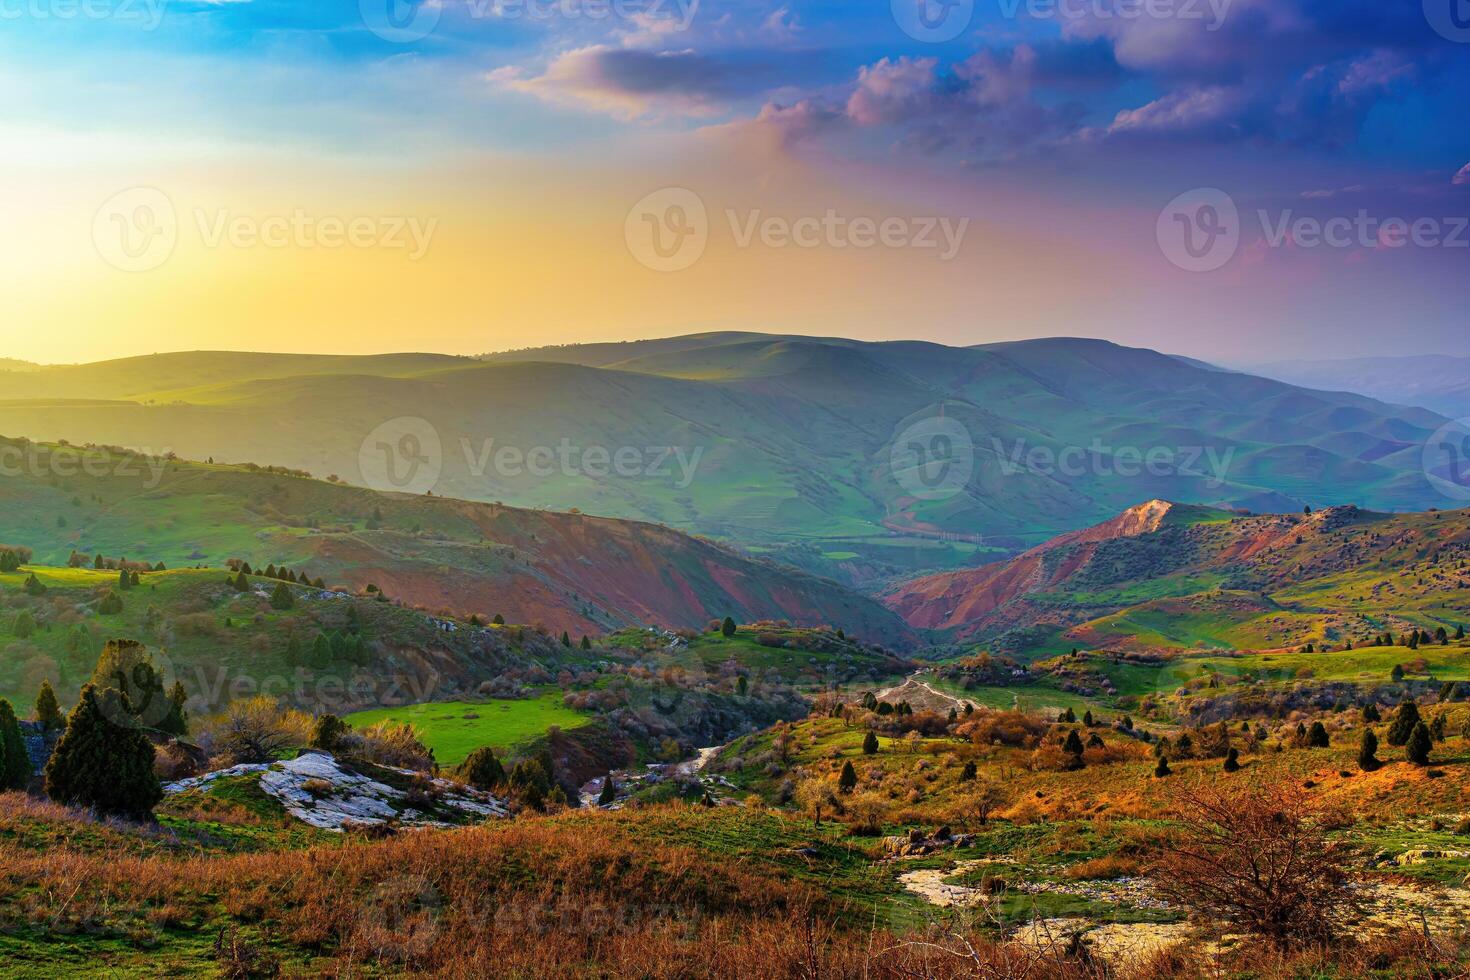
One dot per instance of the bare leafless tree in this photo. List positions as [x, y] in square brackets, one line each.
[1258, 858]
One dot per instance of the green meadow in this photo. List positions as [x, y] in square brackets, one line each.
[454, 729]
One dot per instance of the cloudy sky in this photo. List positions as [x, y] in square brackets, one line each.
[1234, 179]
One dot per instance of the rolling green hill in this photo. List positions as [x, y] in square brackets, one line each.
[785, 445]
[565, 571]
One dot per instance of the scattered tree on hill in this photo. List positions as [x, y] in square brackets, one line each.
[1162, 769]
[1460, 632]
[1087, 718]
[1067, 717]
[175, 720]
[100, 764]
[847, 779]
[241, 583]
[1094, 741]
[1436, 728]
[1370, 713]
[1232, 760]
[1403, 724]
[1258, 859]
[1072, 745]
[586, 643]
[15, 764]
[111, 604]
[1368, 751]
[1397, 674]
[728, 626]
[33, 586]
[609, 794]
[870, 744]
[282, 597]
[566, 640]
[483, 770]
[48, 709]
[742, 685]
[530, 782]
[969, 772]
[1441, 637]
[1419, 744]
[497, 620]
[1317, 736]
[25, 624]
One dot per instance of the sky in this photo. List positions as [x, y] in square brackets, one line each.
[1241, 180]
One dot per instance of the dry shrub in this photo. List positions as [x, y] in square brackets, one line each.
[1258, 859]
[388, 744]
[1104, 868]
[254, 730]
[1013, 728]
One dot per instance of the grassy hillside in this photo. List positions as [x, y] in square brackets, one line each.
[794, 436]
[224, 644]
[565, 571]
[1167, 578]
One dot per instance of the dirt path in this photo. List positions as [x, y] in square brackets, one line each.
[920, 694]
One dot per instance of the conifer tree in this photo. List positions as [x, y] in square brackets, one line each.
[1232, 760]
[1368, 751]
[870, 743]
[15, 764]
[282, 598]
[728, 626]
[847, 780]
[1417, 749]
[103, 765]
[1403, 724]
[48, 710]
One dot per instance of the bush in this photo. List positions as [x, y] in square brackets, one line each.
[870, 744]
[1259, 860]
[255, 730]
[48, 711]
[1403, 724]
[482, 770]
[327, 732]
[388, 744]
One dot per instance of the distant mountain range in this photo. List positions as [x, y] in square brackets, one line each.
[864, 461]
[1435, 382]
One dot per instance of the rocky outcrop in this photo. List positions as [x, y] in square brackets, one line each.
[326, 793]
